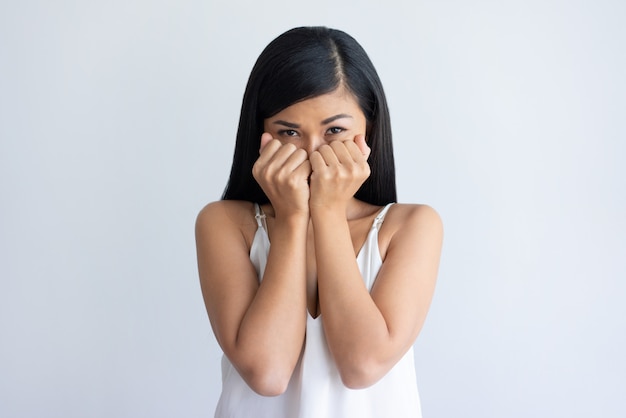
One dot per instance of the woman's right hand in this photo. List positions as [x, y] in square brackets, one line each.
[283, 173]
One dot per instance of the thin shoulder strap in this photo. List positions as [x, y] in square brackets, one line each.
[259, 216]
[381, 216]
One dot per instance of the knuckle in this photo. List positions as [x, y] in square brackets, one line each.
[256, 170]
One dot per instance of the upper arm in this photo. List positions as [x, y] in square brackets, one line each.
[227, 277]
[405, 284]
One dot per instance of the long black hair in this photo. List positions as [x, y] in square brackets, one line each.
[300, 64]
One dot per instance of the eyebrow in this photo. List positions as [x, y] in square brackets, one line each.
[324, 122]
[334, 118]
[287, 124]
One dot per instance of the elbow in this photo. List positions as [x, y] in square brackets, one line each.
[267, 373]
[361, 374]
[267, 381]
[267, 386]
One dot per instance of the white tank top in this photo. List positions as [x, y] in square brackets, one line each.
[315, 389]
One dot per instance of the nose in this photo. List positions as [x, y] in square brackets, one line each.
[312, 142]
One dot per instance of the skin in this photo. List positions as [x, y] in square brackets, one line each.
[313, 159]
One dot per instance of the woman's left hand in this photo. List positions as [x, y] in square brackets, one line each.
[338, 171]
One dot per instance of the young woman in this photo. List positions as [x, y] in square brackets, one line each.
[321, 322]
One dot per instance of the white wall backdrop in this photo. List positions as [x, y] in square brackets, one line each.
[117, 124]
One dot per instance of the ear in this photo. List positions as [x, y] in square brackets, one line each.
[359, 140]
[265, 138]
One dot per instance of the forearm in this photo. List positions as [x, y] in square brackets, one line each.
[357, 333]
[271, 334]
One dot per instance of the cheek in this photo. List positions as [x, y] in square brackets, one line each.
[345, 136]
[284, 139]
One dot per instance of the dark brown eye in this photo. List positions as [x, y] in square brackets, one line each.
[288, 132]
[335, 130]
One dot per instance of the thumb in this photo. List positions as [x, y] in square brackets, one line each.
[359, 140]
[265, 138]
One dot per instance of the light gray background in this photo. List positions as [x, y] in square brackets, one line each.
[117, 124]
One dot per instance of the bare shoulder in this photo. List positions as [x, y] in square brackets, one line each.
[411, 222]
[231, 211]
[226, 215]
[402, 215]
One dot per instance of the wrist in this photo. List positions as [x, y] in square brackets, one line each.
[328, 212]
[292, 218]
